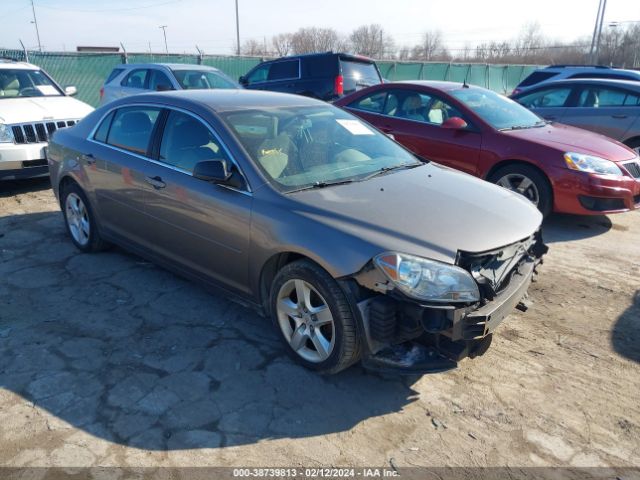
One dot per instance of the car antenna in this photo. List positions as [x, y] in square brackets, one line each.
[464, 82]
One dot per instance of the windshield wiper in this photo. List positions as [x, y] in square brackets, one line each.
[541, 123]
[384, 170]
[320, 185]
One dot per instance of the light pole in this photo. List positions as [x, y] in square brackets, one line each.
[164, 31]
[35, 22]
[237, 30]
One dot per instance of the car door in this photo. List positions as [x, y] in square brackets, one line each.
[607, 110]
[135, 82]
[200, 226]
[415, 119]
[550, 103]
[116, 166]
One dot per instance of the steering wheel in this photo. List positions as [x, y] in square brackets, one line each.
[28, 91]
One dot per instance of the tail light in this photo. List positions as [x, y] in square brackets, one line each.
[338, 88]
[101, 92]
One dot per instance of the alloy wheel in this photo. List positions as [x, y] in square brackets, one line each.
[77, 219]
[305, 320]
[521, 184]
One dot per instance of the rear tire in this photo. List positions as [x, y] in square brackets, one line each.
[80, 221]
[527, 181]
[318, 330]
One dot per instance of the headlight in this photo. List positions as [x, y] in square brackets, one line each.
[590, 164]
[6, 134]
[428, 280]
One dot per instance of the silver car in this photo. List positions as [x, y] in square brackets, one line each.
[609, 107]
[133, 78]
[355, 248]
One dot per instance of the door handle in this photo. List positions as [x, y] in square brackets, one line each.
[618, 116]
[89, 158]
[156, 182]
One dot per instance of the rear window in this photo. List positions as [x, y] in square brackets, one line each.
[536, 77]
[360, 71]
[284, 70]
[114, 74]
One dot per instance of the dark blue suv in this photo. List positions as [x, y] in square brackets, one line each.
[326, 76]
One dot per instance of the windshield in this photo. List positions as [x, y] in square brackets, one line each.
[500, 112]
[203, 79]
[26, 83]
[300, 147]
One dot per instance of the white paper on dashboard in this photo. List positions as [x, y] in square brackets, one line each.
[47, 90]
[355, 127]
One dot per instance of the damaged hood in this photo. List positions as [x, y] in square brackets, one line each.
[429, 211]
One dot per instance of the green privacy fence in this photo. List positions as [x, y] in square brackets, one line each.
[87, 71]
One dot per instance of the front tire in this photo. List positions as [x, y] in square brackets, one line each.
[527, 181]
[80, 221]
[314, 318]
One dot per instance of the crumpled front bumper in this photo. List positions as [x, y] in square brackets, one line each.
[445, 334]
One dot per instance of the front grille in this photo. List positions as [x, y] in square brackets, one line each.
[633, 168]
[38, 132]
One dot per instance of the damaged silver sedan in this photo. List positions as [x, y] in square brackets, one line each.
[356, 249]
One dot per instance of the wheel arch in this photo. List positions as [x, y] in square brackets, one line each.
[269, 270]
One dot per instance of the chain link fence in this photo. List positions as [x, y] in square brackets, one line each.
[87, 71]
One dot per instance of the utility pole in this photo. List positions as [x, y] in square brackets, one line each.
[164, 31]
[237, 30]
[604, 6]
[597, 32]
[35, 22]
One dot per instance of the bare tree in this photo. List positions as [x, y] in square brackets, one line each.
[431, 48]
[282, 44]
[372, 41]
[254, 48]
[314, 39]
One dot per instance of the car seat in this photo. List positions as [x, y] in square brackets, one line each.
[134, 132]
[188, 144]
[411, 108]
[9, 86]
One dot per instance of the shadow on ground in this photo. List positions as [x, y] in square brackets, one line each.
[128, 352]
[9, 188]
[625, 337]
[559, 227]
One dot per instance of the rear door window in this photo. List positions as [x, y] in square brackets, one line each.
[284, 70]
[158, 78]
[136, 79]
[373, 103]
[103, 129]
[596, 97]
[132, 127]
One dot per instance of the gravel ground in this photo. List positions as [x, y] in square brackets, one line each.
[107, 360]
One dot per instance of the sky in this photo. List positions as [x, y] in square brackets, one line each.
[210, 24]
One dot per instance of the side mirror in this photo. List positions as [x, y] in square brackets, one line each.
[215, 171]
[70, 90]
[163, 87]
[454, 123]
[243, 80]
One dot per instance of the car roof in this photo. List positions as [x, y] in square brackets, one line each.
[437, 84]
[8, 63]
[224, 100]
[629, 84]
[171, 66]
[347, 56]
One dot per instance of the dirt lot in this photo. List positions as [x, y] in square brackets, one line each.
[108, 360]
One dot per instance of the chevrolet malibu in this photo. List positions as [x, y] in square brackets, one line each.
[355, 249]
[558, 167]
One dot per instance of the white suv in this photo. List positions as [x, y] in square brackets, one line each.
[32, 108]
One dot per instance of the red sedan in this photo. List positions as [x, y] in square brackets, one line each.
[559, 168]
